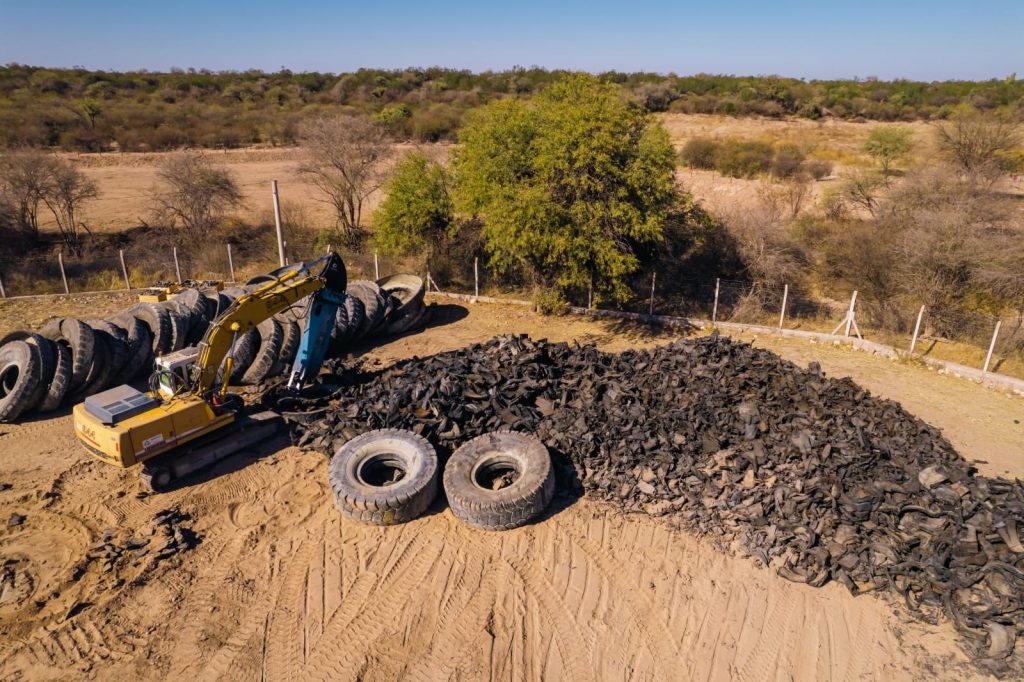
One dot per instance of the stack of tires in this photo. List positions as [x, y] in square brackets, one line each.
[388, 307]
[70, 358]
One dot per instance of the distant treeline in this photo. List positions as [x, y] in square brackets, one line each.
[77, 109]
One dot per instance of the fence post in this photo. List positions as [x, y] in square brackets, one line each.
[849, 315]
[177, 268]
[476, 277]
[376, 266]
[917, 328]
[992, 346]
[3, 294]
[590, 296]
[714, 310]
[63, 277]
[286, 253]
[231, 264]
[277, 223]
[782, 314]
[124, 271]
[654, 278]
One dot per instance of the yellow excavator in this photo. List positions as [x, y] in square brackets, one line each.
[188, 419]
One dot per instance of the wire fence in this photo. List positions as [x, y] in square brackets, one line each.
[989, 342]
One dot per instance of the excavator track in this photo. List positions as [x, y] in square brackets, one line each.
[160, 473]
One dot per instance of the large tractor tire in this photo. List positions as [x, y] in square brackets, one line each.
[499, 480]
[20, 370]
[384, 477]
[271, 336]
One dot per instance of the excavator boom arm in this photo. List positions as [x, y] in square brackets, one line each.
[251, 309]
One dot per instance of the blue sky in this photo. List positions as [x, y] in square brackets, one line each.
[936, 40]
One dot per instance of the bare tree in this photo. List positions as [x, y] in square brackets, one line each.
[24, 177]
[197, 195]
[66, 190]
[862, 190]
[973, 141]
[345, 159]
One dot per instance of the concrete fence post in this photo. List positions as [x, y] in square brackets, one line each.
[992, 346]
[277, 224]
[376, 266]
[476, 277]
[124, 271]
[917, 328]
[231, 264]
[714, 310]
[63, 276]
[3, 294]
[782, 313]
[654, 279]
[177, 267]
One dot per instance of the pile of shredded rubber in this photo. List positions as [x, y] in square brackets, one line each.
[809, 475]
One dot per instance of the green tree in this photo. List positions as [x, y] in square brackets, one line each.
[888, 144]
[566, 183]
[417, 216]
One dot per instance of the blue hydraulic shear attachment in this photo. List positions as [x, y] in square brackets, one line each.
[320, 320]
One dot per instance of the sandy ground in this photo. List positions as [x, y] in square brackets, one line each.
[281, 587]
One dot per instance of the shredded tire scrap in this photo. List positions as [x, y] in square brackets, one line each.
[810, 475]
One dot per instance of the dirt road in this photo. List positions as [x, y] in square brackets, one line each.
[279, 586]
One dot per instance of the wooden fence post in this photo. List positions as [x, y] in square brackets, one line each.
[782, 313]
[124, 271]
[177, 268]
[917, 328]
[992, 346]
[63, 277]
[231, 264]
[714, 310]
[654, 278]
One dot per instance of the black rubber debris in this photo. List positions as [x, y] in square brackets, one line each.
[809, 475]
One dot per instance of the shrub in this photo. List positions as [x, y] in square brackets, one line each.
[818, 168]
[744, 159]
[788, 161]
[550, 302]
[700, 152]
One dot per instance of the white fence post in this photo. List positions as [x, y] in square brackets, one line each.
[782, 313]
[3, 294]
[124, 271]
[992, 346]
[917, 328]
[476, 277]
[376, 266]
[177, 268]
[849, 315]
[63, 277]
[714, 310]
[231, 264]
[277, 223]
[654, 278]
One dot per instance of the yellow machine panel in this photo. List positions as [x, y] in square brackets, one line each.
[150, 433]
